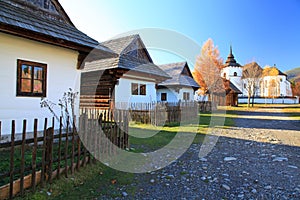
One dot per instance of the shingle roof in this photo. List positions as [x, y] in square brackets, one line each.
[234, 88]
[121, 45]
[231, 61]
[118, 45]
[125, 61]
[178, 78]
[281, 73]
[23, 19]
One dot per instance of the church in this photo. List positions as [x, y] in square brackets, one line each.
[271, 85]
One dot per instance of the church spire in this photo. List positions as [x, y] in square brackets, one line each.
[230, 59]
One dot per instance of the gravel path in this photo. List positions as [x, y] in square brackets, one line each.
[257, 159]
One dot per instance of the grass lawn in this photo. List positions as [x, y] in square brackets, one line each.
[291, 110]
[97, 179]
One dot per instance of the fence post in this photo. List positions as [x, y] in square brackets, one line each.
[48, 155]
[66, 148]
[59, 147]
[73, 148]
[78, 146]
[23, 158]
[44, 153]
[33, 174]
[85, 133]
[11, 168]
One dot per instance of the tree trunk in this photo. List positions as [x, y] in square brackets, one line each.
[249, 100]
[253, 99]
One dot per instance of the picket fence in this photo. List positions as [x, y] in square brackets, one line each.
[39, 159]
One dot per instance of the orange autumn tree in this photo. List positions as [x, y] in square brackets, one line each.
[270, 71]
[207, 68]
[296, 88]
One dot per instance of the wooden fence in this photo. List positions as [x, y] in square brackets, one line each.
[164, 113]
[39, 159]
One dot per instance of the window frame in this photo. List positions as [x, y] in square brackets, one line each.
[134, 89]
[138, 89]
[186, 96]
[163, 96]
[20, 64]
[143, 89]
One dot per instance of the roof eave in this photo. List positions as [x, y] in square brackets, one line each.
[28, 34]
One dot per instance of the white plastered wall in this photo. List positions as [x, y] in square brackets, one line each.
[61, 75]
[123, 96]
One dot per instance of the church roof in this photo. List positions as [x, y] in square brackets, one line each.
[230, 60]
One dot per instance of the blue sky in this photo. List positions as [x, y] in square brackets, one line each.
[265, 31]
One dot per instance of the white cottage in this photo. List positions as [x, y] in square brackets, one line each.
[124, 80]
[181, 87]
[40, 56]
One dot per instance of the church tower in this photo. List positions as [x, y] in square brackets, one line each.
[232, 71]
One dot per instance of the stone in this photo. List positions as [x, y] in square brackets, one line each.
[280, 159]
[226, 187]
[268, 187]
[292, 166]
[254, 191]
[124, 194]
[152, 181]
[170, 176]
[203, 159]
[230, 158]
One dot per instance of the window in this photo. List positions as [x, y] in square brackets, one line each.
[142, 89]
[224, 75]
[245, 85]
[138, 89]
[234, 74]
[163, 96]
[186, 96]
[31, 79]
[134, 89]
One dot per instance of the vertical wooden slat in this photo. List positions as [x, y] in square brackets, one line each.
[44, 154]
[23, 158]
[73, 147]
[95, 131]
[85, 133]
[33, 174]
[90, 134]
[66, 149]
[50, 150]
[59, 147]
[125, 131]
[11, 168]
[78, 147]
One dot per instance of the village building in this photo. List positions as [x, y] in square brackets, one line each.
[41, 53]
[275, 85]
[181, 87]
[125, 80]
[269, 85]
